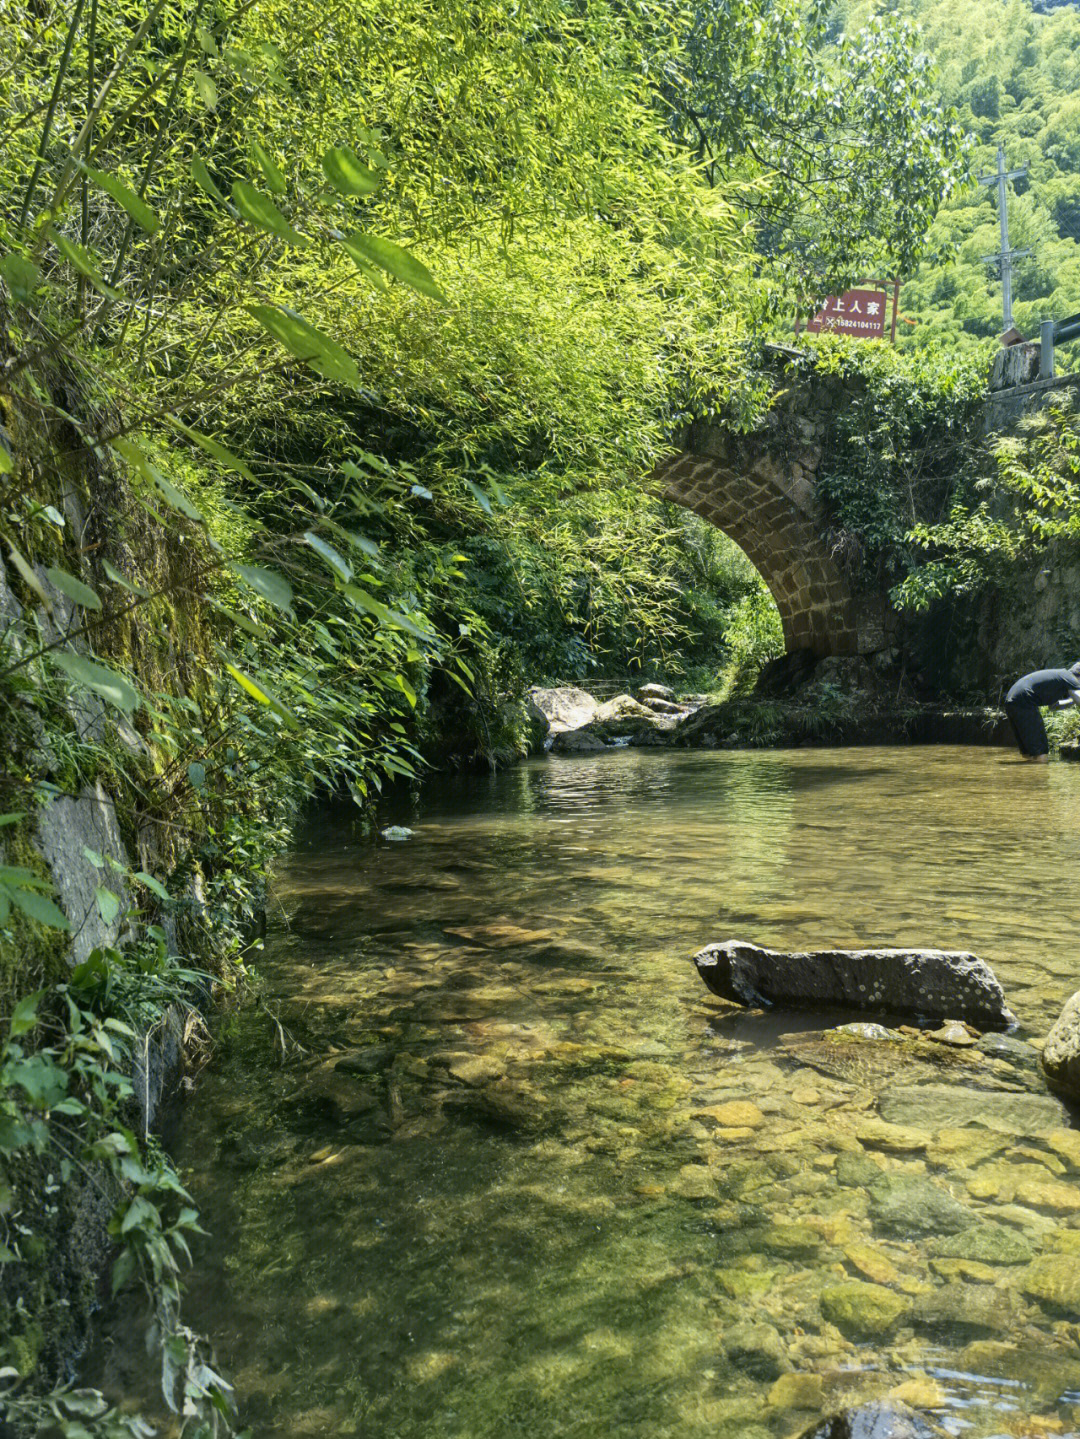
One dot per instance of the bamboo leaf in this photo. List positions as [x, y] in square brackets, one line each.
[208, 91]
[25, 1014]
[155, 886]
[74, 589]
[479, 496]
[257, 210]
[201, 175]
[271, 173]
[108, 903]
[307, 343]
[175, 498]
[38, 907]
[258, 692]
[117, 578]
[20, 275]
[113, 688]
[224, 457]
[83, 261]
[29, 576]
[347, 174]
[402, 264]
[267, 584]
[330, 555]
[126, 198]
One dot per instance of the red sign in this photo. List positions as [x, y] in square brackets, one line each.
[855, 312]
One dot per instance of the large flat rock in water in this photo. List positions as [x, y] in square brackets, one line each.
[936, 1106]
[928, 983]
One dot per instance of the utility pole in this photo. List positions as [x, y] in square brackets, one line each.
[1005, 256]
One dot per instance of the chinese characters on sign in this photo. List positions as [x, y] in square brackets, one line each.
[855, 312]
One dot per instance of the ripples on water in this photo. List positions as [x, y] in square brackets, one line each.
[522, 1175]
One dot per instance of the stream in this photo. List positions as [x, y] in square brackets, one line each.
[488, 1160]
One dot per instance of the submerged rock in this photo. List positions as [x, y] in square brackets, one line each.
[985, 1244]
[966, 1306]
[937, 1105]
[757, 1350]
[907, 1205]
[884, 1420]
[1061, 1053]
[928, 982]
[1055, 1279]
[862, 1310]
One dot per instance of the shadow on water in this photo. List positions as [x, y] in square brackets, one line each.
[517, 1172]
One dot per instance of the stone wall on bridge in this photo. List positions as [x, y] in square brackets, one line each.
[759, 488]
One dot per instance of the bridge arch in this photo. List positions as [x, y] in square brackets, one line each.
[759, 489]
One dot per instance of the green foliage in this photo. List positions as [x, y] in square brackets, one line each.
[845, 146]
[998, 524]
[895, 449]
[1013, 74]
[334, 356]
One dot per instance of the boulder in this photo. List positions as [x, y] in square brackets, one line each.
[577, 741]
[564, 707]
[931, 983]
[1061, 1052]
[539, 726]
[648, 693]
[887, 1419]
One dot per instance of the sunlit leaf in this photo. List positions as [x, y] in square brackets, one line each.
[263, 695]
[305, 342]
[139, 211]
[256, 209]
[266, 163]
[348, 174]
[113, 688]
[402, 264]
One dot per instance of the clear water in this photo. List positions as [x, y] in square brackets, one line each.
[575, 1195]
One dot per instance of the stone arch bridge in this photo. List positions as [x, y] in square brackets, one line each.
[759, 488]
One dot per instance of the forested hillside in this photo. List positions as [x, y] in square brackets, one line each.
[1014, 75]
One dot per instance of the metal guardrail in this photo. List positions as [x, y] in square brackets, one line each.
[1051, 333]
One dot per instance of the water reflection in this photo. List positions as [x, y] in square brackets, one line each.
[521, 1174]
